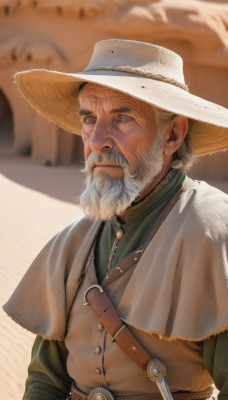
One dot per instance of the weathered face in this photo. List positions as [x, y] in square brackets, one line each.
[123, 152]
[115, 121]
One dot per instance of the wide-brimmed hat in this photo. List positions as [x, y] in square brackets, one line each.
[150, 73]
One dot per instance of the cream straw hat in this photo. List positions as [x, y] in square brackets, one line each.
[147, 72]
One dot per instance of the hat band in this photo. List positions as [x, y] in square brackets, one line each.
[140, 72]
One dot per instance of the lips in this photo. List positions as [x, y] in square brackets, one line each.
[106, 165]
[111, 169]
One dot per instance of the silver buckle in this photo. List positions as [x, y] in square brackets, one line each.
[100, 393]
[86, 303]
[156, 372]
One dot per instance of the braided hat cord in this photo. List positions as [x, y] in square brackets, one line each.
[142, 73]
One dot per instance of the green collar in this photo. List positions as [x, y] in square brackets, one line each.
[165, 189]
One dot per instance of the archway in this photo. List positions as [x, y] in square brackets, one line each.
[6, 124]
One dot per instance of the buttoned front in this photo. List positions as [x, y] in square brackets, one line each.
[86, 341]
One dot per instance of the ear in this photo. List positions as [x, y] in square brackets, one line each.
[175, 134]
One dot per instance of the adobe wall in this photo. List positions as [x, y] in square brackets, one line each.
[61, 34]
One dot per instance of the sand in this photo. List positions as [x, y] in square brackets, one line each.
[36, 202]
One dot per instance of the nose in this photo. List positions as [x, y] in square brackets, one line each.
[100, 138]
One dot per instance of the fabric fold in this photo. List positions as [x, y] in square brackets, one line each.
[178, 290]
[41, 302]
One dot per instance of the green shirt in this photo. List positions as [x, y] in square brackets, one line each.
[48, 378]
[140, 220]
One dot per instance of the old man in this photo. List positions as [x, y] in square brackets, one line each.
[131, 302]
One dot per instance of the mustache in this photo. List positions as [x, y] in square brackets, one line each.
[104, 157]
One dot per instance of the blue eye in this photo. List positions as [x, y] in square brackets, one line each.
[124, 119]
[89, 120]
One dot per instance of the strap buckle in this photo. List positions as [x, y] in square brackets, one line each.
[100, 393]
[86, 303]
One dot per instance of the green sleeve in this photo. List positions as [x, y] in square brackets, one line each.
[47, 374]
[215, 355]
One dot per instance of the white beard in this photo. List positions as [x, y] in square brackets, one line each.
[104, 197]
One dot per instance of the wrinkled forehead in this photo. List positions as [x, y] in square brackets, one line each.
[91, 94]
[93, 89]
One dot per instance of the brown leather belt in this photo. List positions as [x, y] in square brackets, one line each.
[104, 394]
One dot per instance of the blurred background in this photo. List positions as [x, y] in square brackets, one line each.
[40, 163]
[60, 35]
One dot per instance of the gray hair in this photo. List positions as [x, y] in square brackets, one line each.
[184, 156]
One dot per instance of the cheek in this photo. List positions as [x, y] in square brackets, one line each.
[133, 160]
[129, 147]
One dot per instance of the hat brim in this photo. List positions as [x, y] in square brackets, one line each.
[55, 95]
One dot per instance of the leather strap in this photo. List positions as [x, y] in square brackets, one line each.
[104, 309]
[77, 394]
[101, 304]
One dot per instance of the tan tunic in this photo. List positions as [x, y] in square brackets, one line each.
[95, 361]
[169, 302]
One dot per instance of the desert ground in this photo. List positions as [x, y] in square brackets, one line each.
[36, 202]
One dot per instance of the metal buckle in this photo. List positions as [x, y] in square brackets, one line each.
[86, 303]
[100, 393]
[156, 372]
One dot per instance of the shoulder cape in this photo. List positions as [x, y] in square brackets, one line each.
[178, 290]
